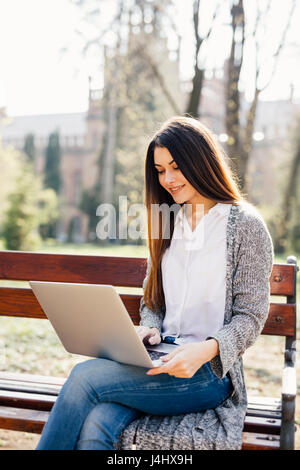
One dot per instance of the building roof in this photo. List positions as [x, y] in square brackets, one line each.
[70, 124]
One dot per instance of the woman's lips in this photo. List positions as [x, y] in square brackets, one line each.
[178, 188]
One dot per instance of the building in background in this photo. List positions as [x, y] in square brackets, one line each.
[81, 138]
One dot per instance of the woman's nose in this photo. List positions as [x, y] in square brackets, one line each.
[169, 178]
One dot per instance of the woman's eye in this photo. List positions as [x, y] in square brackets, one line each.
[162, 171]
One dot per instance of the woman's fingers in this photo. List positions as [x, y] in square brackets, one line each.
[150, 335]
[143, 332]
[180, 363]
[172, 354]
[154, 337]
[157, 370]
[167, 368]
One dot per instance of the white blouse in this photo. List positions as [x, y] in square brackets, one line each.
[194, 276]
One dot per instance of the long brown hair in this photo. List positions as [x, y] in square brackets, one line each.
[202, 162]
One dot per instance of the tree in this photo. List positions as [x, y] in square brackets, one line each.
[295, 229]
[48, 211]
[233, 102]
[284, 226]
[11, 162]
[240, 126]
[194, 102]
[130, 107]
[28, 206]
[29, 147]
[164, 24]
[52, 178]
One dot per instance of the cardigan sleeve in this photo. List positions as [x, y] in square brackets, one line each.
[148, 317]
[250, 295]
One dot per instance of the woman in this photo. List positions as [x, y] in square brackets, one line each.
[206, 289]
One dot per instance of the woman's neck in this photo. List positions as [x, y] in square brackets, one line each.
[196, 210]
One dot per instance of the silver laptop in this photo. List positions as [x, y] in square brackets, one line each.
[91, 320]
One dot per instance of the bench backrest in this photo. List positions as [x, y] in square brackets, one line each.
[121, 272]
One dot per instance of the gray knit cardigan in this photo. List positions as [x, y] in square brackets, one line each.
[249, 265]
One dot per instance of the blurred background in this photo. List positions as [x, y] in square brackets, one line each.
[83, 86]
[85, 83]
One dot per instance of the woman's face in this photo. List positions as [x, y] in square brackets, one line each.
[171, 178]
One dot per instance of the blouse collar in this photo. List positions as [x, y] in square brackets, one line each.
[220, 208]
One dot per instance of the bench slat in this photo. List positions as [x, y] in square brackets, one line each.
[258, 424]
[18, 419]
[264, 413]
[260, 400]
[118, 271]
[261, 412]
[32, 378]
[20, 386]
[253, 441]
[45, 403]
[31, 401]
[281, 320]
[267, 408]
[282, 279]
[21, 302]
[28, 266]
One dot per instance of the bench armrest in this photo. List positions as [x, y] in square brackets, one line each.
[289, 382]
[288, 394]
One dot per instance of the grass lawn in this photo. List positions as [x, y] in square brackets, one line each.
[31, 346]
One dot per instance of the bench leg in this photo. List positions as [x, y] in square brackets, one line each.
[287, 432]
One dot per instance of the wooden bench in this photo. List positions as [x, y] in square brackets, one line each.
[26, 400]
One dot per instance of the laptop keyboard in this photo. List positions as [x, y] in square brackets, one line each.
[154, 355]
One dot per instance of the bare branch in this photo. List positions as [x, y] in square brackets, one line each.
[196, 25]
[281, 44]
[198, 38]
[160, 78]
[213, 21]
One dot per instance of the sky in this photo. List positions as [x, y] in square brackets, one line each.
[36, 78]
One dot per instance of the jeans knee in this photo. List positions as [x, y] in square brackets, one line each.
[78, 382]
[99, 428]
[87, 375]
[78, 371]
[83, 371]
[92, 423]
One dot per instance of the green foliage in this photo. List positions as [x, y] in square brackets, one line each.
[28, 207]
[52, 164]
[11, 162]
[21, 218]
[88, 204]
[48, 212]
[29, 147]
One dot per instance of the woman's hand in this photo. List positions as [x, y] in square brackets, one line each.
[185, 360]
[149, 335]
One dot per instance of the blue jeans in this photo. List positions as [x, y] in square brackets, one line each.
[101, 397]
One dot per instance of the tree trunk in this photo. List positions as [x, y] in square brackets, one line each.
[109, 156]
[232, 120]
[246, 144]
[283, 225]
[195, 96]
